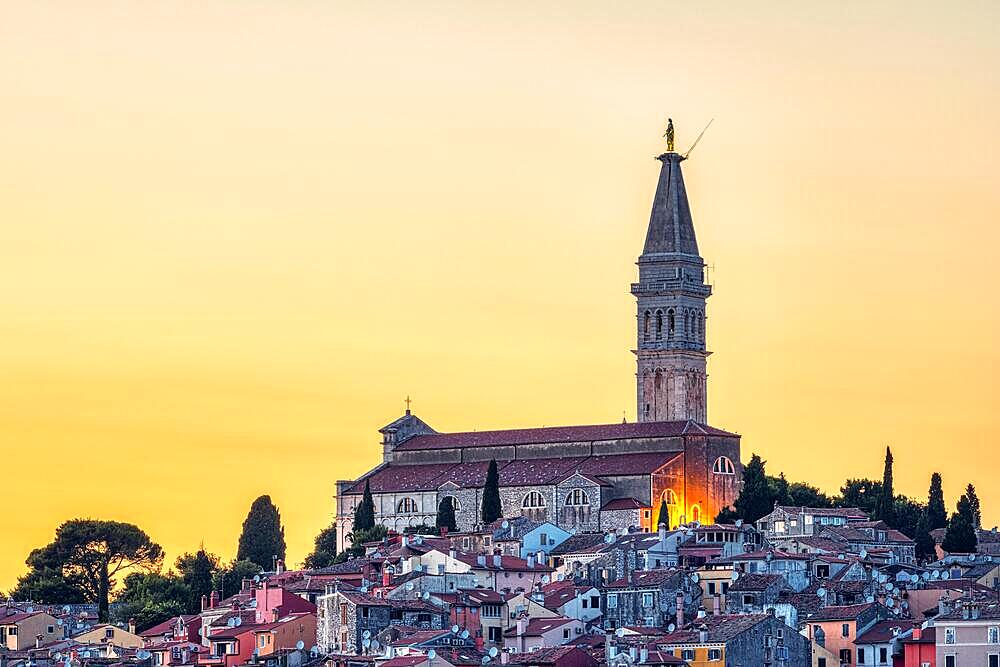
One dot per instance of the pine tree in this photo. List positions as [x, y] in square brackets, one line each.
[663, 516]
[364, 513]
[492, 509]
[937, 515]
[446, 515]
[324, 549]
[924, 542]
[976, 509]
[886, 505]
[197, 571]
[755, 498]
[263, 538]
[960, 536]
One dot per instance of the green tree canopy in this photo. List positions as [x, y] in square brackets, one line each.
[937, 515]
[228, 580]
[860, 493]
[886, 504]
[974, 507]
[924, 542]
[779, 489]
[446, 515]
[663, 514]
[960, 535]
[197, 571]
[805, 495]
[151, 598]
[324, 549]
[364, 513]
[755, 499]
[907, 515]
[358, 539]
[492, 508]
[48, 586]
[263, 538]
[90, 554]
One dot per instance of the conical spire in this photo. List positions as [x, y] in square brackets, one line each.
[671, 229]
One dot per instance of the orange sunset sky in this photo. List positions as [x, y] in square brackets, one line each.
[234, 235]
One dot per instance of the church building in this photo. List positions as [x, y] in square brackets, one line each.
[587, 478]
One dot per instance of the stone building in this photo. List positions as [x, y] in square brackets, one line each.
[588, 478]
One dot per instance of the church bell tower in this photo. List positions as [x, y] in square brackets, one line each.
[671, 380]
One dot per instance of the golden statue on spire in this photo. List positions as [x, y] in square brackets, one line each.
[669, 134]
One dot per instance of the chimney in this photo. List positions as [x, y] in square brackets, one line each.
[204, 602]
[716, 605]
[504, 657]
[245, 585]
[481, 560]
[213, 600]
[540, 557]
[916, 633]
[680, 610]
[522, 625]
[609, 645]
[701, 613]
[405, 541]
[131, 625]
[633, 652]
[274, 615]
[38, 640]
[531, 560]
[663, 531]
[703, 634]
[497, 560]
[279, 566]
[386, 577]
[644, 655]
[452, 553]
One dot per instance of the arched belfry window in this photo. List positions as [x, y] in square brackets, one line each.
[723, 466]
[645, 325]
[406, 506]
[670, 322]
[659, 324]
[577, 497]
[533, 499]
[687, 324]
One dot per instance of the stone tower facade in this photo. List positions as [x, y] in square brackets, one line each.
[671, 378]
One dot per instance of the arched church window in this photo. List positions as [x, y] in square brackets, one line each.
[723, 466]
[695, 513]
[659, 324]
[645, 326]
[670, 322]
[688, 322]
[669, 496]
[532, 500]
[406, 506]
[701, 326]
[454, 503]
[577, 497]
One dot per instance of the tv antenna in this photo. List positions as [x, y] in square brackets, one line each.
[697, 139]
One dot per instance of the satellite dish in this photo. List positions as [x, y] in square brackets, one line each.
[914, 578]
[238, 621]
[366, 643]
[426, 595]
[366, 634]
[431, 654]
[620, 632]
[945, 574]
[494, 652]
[465, 634]
[314, 649]
[671, 627]
[505, 525]
[59, 622]
[735, 575]
[300, 645]
[869, 599]
[821, 592]
[256, 578]
[66, 609]
[560, 576]
[925, 576]
[863, 553]
[889, 602]
[546, 579]
[231, 623]
[454, 629]
[695, 577]
[609, 538]
[888, 586]
[58, 655]
[739, 523]
[935, 574]
[375, 645]
[409, 585]
[972, 558]
[485, 659]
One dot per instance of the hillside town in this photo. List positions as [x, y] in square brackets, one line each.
[648, 543]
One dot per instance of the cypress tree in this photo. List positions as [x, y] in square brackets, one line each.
[663, 516]
[924, 542]
[197, 572]
[976, 510]
[937, 516]
[960, 536]
[364, 513]
[446, 515]
[886, 505]
[492, 509]
[755, 500]
[263, 538]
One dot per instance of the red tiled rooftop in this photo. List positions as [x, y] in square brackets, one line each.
[527, 436]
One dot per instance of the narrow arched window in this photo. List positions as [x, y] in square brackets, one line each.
[701, 326]
[670, 322]
[688, 324]
[659, 324]
[532, 500]
[454, 503]
[645, 326]
[723, 466]
[577, 498]
[695, 513]
[406, 506]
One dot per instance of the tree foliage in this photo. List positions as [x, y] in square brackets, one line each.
[358, 539]
[89, 555]
[228, 580]
[446, 515]
[663, 514]
[48, 586]
[937, 515]
[755, 499]
[906, 515]
[263, 538]
[364, 513]
[151, 598]
[492, 509]
[801, 494]
[924, 542]
[960, 535]
[885, 506]
[974, 507]
[779, 488]
[324, 549]
[861, 493]
[197, 571]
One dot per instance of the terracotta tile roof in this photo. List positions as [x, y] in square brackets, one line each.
[483, 595]
[624, 504]
[883, 632]
[578, 543]
[757, 582]
[17, 618]
[842, 612]
[846, 512]
[986, 612]
[167, 626]
[508, 563]
[553, 434]
[405, 661]
[537, 626]
[647, 579]
[721, 629]
[544, 656]
[419, 637]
